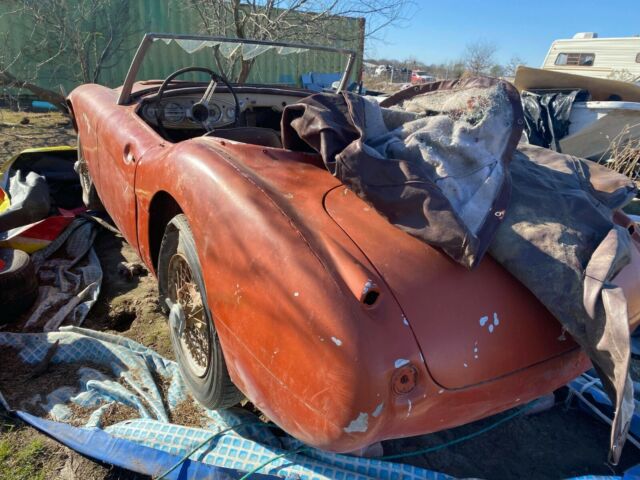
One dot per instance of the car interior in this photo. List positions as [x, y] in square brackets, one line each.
[256, 120]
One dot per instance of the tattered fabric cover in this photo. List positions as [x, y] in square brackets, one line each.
[69, 278]
[437, 165]
[560, 241]
[441, 178]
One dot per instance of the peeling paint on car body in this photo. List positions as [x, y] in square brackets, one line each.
[401, 362]
[278, 224]
[360, 424]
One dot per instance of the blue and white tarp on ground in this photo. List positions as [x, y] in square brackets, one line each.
[128, 374]
[150, 444]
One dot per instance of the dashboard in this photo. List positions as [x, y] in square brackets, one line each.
[175, 111]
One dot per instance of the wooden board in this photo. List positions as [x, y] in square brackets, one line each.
[601, 89]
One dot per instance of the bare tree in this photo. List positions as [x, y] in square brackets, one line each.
[71, 41]
[479, 57]
[310, 21]
[496, 70]
[512, 65]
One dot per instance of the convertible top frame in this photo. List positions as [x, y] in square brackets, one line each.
[149, 38]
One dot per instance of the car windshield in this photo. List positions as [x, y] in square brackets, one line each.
[421, 73]
[240, 61]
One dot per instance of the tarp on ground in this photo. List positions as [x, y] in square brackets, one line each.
[117, 377]
[439, 161]
[108, 371]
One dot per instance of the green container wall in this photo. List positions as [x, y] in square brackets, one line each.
[171, 16]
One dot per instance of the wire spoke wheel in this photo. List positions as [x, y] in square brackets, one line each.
[192, 324]
[194, 334]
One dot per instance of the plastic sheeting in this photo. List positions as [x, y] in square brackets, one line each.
[30, 199]
[231, 49]
[44, 188]
[547, 115]
[590, 385]
[133, 379]
[130, 374]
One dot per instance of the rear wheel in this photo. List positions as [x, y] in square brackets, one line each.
[191, 327]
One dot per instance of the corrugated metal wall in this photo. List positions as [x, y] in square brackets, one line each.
[171, 16]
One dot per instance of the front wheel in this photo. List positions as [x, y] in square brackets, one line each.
[192, 330]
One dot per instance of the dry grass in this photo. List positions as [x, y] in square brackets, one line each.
[381, 84]
[22, 130]
[625, 154]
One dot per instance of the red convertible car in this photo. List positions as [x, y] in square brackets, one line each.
[283, 286]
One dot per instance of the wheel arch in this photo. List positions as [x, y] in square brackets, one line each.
[162, 209]
[72, 114]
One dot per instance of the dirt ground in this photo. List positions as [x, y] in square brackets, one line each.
[554, 444]
[127, 306]
[21, 130]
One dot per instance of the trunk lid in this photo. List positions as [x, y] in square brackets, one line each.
[471, 326]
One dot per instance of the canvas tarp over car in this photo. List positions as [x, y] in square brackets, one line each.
[439, 161]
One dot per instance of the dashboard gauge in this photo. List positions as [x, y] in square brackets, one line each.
[173, 113]
[231, 113]
[151, 111]
[214, 113]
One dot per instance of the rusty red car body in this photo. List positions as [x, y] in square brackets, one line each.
[289, 257]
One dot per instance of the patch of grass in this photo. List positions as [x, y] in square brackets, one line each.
[22, 462]
[625, 153]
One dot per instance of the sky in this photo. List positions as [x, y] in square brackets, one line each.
[438, 31]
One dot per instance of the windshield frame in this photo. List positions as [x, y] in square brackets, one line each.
[149, 38]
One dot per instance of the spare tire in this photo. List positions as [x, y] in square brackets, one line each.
[18, 283]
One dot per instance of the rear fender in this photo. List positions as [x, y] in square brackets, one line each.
[296, 339]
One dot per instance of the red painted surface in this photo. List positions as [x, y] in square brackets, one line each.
[286, 252]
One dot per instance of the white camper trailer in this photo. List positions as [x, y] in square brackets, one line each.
[586, 54]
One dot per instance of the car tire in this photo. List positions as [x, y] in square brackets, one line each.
[18, 283]
[205, 373]
[90, 196]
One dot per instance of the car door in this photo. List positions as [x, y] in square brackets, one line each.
[123, 139]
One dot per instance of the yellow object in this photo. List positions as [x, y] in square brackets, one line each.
[29, 245]
[26, 238]
[60, 148]
[5, 202]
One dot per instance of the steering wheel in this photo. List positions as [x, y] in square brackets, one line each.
[200, 109]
